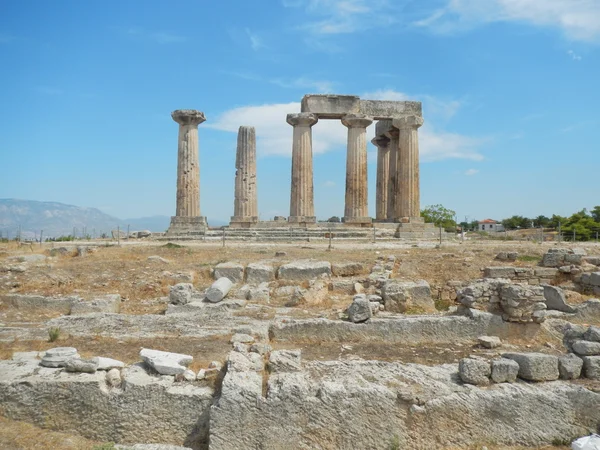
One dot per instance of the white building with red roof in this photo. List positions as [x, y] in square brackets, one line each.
[490, 225]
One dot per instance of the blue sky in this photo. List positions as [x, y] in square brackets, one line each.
[510, 96]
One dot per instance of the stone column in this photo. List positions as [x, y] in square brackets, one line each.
[245, 210]
[408, 205]
[383, 175]
[302, 207]
[356, 209]
[392, 134]
[187, 213]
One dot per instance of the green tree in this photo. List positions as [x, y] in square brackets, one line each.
[595, 212]
[541, 221]
[557, 220]
[440, 216]
[581, 225]
[516, 222]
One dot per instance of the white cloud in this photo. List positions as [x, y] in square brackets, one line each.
[578, 19]
[300, 83]
[255, 41]
[343, 16]
[471, 172]
[574, 56]
[329, 183]
[274, 135]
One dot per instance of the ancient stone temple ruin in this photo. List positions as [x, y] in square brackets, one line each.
[397, 196]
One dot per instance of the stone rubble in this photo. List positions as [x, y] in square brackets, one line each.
[360, 309]
[166, 363]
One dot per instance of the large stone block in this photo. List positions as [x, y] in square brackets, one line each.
[504, 370]
[569, 366]
[595, 279]
[545, 272]
[181, 293]
[535, 366]
[400, 296]
[522, 303]
[304, 270]
[259, 273]
[474, 371]
[592, 334]
[28, 302]
[166, 363]
[591, 367]
[231, 270]
[586, 348]
[360, 309]
[348, 269]
[110, 303]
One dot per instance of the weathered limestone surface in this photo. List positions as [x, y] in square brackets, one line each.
[146, 408]
[302, 209]
[304, 270]
[377, 405]
[535, 366]
[383, 176]
[356, 206]
[109, 303]
[408, 204]
[474, 371]
[245, 210]
[402, 295]
[393, 135]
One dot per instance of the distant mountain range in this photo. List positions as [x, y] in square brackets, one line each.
[59, 219]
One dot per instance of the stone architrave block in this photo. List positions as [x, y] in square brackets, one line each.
[349, 269]
[569, 366]
[304, 270]
[219, 289]
[504, 370]
[556, 300]
[231, 270]
[110, 303]
[545, 272]
[474, 371]
[535, 366]
[401, 295]
[591, 367]
[259, 273]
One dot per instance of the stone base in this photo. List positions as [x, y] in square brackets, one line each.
[243, 222]
[302, 219]
[409, 220]
[358, 221]
[185, 224]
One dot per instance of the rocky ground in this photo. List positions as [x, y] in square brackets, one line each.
[407, 334]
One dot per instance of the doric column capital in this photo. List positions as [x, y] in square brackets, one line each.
[357, 120]
[382, 127]
[408, 122]
[302, 119]
[392, 133]
[188, 117]
[381, 142]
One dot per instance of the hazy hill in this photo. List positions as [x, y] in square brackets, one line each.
[59, 219]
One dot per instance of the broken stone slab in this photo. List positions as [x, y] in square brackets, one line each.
[259, 294]
[556, 300]
[181, 293]
[285, 361]
[591, 367]
[474, 371]
[507, 256]
[569, 366]
[107, 363]
[58, 356]
[242, 338]
[586, 348]
[261, 349]
[219, 289]
[60, 305]
[360, 309]
[535, 366]
[400, 296]
[166, 363]
[81, 365]
[349, 269]
[33, 258]
[233, 271]
[304, 270]
[259, 273]
[110, 303]
[499, 272]
[504, 370]
[489, 341]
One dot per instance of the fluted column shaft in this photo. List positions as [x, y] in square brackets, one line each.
[408, 204]
[302, 208]
[188, 166]
[383, 175]
[356, 206]
[245, 205]
[392, 134]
